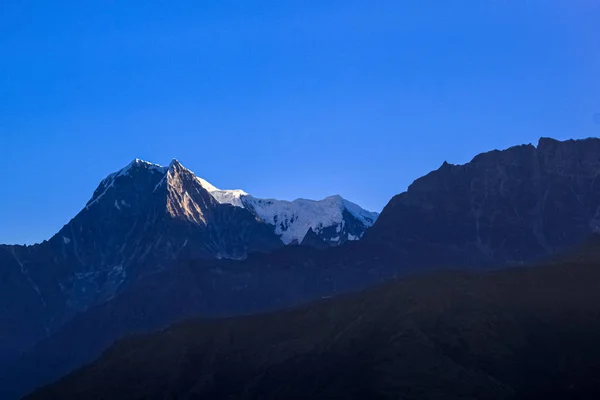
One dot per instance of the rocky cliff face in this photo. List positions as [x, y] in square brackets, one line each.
[510, 206]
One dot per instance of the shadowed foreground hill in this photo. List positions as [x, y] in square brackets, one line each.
[518, 333]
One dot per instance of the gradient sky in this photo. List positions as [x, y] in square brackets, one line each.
[284, 99]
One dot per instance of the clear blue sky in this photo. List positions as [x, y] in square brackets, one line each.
[284, 99]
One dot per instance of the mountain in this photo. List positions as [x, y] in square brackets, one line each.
[140, 220]
[510, 207]
[137, 222]
[518, 333]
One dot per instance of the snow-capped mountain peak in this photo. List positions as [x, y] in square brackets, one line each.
[333, 219]
[293, 219]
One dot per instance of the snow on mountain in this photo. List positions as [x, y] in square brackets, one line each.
[206, 185]
[233, 197]
[293, 219]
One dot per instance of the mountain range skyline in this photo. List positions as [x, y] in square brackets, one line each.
[240, 198]
[7, 233]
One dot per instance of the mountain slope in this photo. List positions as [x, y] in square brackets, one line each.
[523, 333]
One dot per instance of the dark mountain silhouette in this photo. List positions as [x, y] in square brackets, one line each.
[510, 206]
[518, 333]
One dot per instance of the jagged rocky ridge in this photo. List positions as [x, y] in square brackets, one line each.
[503, 208]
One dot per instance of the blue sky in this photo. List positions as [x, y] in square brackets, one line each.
[284, 99]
